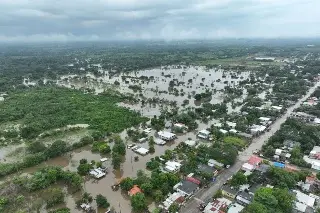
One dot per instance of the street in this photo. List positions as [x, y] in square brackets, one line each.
[206, 194]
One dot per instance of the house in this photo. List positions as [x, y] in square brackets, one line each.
[193, 180]
[315, 163]
[254, 160]
[204, 134]
[135, 189]
[278, 151]
[235, 208]
[173, 198]
[277, 108]
[231, 124]
[214, 163]
[97, 173]
[315, 153]
[202, 168]
[244, 198]
[159, 141]
[167, 136]
[257, 129]
[263, 168]
[247, 167]
[190, 143]
[229, 192]
[141, 151]
[172, 166]
[223, 131]
[186, 188]
[219, 205]
[180, 126]
[304, 198]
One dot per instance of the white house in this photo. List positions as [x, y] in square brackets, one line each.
[172, 166]
[167, 136]
[204, 134]
[159, 141]
[190, 143]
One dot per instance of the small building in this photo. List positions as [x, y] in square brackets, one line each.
[315, 163]
[304, 198]
[204, 134]
[219, 205]
[244, 198]
[278, 151]
[180, 126]
[167, 136]
[186, 188]
[159, 141]
[202, 168]
[277, 108]
[254, 160]
[214, 163]
[229, 192]
[142, 151]
[279, 165]
[135, 190]
[231, 124]
[173, 198]
[193, 180]
[257, 129]
[172, 166]
[247, 167]
[97, 173]
[223, 131]
[263, 168]
[190, 143]
[235, 208]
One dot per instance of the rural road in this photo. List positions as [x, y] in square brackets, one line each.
[206, 194]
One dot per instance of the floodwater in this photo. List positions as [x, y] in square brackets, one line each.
[129, 168]
[154, 83]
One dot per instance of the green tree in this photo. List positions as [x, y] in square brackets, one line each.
[138, 202]
[83, 169]
[36, 147]
[174, 208]
[116, 160]
[238, 179]
[102, 201]
[157, 195]
[126, 184]
[56, 196]
[218, 194]
[318, 175]
[97, 135]
[256, 207]
[147, 188]
[57, 148]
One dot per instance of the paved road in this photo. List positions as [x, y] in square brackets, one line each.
[206, 194]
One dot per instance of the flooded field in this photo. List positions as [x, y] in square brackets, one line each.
[119, 200]
[170, 84]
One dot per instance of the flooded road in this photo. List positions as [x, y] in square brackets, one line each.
[256, 144]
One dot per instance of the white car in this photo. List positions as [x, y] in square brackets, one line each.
[103, 159]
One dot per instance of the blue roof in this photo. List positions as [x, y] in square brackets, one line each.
[277, 164]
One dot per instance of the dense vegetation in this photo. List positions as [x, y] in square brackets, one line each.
[42, 109]
[24, 192]
[294, 130]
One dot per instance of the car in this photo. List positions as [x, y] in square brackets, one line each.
[227, 166]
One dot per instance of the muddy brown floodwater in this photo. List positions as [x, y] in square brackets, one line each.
[119, 200]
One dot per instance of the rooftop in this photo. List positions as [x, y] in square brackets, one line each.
[277, 164]
[229, 190]
[187, 186]
[235, 208]
[205, 168]
[217, 206]
[304, 198]
[254, 160]
[134, 190]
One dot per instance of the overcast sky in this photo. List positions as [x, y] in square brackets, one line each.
[73, 20]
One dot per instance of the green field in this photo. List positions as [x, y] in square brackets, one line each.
[42, 109]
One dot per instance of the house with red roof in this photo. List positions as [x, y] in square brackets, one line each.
[193, 180]
[254, 160]
[135, 189]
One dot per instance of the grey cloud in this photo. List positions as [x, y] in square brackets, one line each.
[60, 20]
